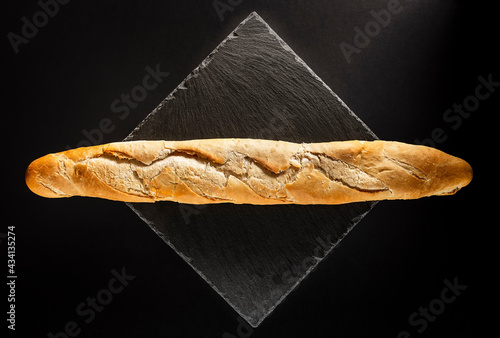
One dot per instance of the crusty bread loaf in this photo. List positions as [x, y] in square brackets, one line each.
[249, 171]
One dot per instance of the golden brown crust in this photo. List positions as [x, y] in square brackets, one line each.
[249, 171]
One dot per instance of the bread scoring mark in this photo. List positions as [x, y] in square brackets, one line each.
[103, 167]
[410, 169]
[449, 192]
[346, 174]
[125, 156]
[118, 154]
[54, 190]
[198, 174]
[62, 170]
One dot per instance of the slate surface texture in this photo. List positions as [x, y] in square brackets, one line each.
[252, 86]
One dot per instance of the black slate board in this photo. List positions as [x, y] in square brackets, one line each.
[252, 86]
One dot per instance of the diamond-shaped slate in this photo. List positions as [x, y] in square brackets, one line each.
[252, 86]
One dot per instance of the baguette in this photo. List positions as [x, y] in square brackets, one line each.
[249, 171]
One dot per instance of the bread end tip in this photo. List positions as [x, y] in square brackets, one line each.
[461, 176]
[34, 176]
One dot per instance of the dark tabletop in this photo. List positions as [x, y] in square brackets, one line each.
[412, 71]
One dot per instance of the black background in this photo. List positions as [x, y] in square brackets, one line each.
[64, 79]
